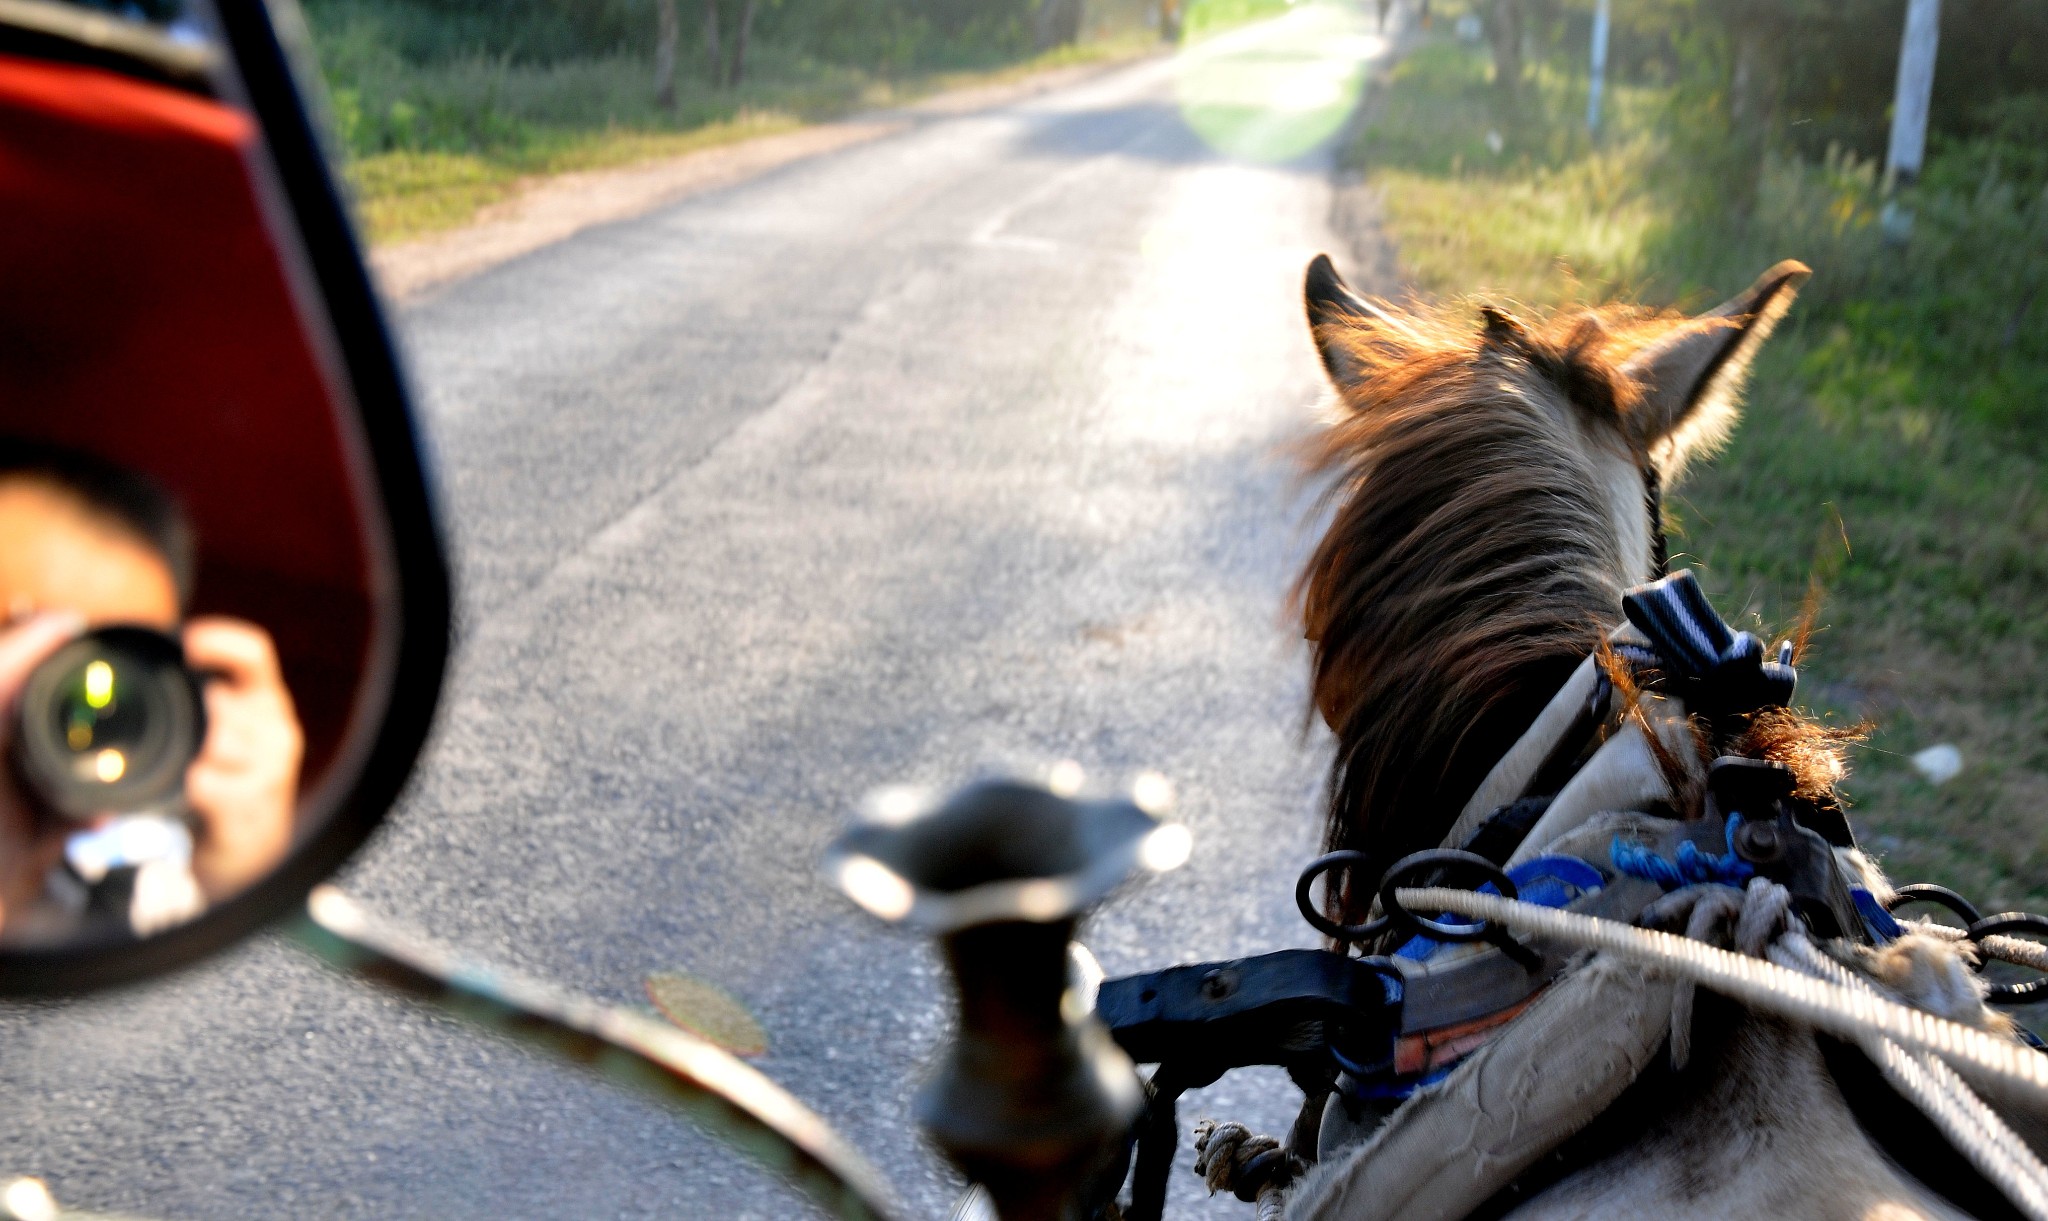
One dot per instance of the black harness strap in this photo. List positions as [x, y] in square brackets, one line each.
[1653, 497]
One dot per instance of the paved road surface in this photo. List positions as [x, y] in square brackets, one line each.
[957, 451]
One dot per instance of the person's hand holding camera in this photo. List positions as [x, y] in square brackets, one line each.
[244, 783]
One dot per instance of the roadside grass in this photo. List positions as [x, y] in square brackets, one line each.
[405, 193]
[430, 142]
[1895, 444]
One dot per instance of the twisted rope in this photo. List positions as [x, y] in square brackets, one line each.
[1231, 1157]
[1847, 1013]
[1972, 1127]
[2016, 950]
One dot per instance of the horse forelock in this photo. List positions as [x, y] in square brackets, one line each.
[1471, 559]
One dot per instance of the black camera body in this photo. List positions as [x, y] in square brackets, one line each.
[108, 724]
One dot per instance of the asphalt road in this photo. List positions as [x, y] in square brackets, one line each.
[960, 451]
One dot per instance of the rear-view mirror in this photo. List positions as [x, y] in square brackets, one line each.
[223, 601]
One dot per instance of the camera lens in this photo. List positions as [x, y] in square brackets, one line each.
[108, 724]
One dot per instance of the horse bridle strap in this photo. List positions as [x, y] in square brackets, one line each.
[1718, 671]
[1653, 496]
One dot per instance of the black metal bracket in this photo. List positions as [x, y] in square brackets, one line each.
[1286, 1008]
[1778, 846]
[1198, 1021]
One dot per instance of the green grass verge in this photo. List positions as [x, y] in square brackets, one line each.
[1904, 405]
[406, 193]
[432, 144]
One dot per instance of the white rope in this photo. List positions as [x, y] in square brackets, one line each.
[1971, 1126]
[1847, 1013]
[1799, 953]
[2017, 950]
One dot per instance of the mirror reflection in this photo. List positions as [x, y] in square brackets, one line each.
[155, 755]
[188, 600]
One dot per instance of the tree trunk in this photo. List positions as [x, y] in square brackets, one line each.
[737, 71]
[1746, 81]
[667, 31]
[1504, 35]
[1058, 23]
[1755, 82]
[716, 61]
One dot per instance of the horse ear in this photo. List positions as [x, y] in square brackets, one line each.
[1502, 328]
[1337, 316]
[1691, 379]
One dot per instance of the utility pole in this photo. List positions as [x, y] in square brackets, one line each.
[1600, 23]
[1909, 111]
[1915, 90]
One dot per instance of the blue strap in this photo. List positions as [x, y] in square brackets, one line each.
[1882, 924]
[1367, 1086]
[1729, 665]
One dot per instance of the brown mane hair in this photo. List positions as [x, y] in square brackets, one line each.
[1470, 562]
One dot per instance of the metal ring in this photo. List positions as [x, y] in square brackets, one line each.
[1449, 860]
[2007, 923]
[1940, 896]
[1317, 920]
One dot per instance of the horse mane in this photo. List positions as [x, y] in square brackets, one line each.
[1470, 562]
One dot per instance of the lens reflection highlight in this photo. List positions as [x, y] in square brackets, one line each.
[99, 685]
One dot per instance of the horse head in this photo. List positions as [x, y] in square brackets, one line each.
[1495, 486]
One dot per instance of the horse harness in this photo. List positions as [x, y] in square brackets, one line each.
[1365, 1032]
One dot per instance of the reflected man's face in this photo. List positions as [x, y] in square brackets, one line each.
[59, 554]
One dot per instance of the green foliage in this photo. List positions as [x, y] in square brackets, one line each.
[898, 36]
[491, 76]
[443, 105]
[1904, 405]
[2007, 148]
[1818, 73]
[868, 35]
[520, 31]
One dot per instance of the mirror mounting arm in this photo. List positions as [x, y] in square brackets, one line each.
[732, 1100]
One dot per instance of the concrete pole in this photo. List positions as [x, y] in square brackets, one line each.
[1915, 89]
[1600, 23]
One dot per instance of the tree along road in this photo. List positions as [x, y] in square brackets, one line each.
[960, 450]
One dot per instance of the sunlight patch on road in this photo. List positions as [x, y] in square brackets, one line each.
[1213, 348]
[1273, 92]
